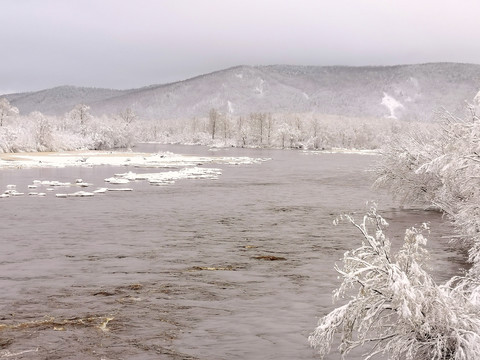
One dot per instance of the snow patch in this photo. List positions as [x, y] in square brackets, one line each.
[391, 104]
[259, 89]
[240, 76]
[415, 82]
[230, 107]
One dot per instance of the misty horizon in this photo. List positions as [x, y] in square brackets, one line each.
[126, 45]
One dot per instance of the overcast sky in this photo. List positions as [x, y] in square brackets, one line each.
[132, 43]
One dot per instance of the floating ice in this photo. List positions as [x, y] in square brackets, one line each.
[83, 184]
[169, 177]
[115, 180]
[34, 193]
[76, 194]
[186, 167]
[55, 183]
[13, 192]
[100, 191]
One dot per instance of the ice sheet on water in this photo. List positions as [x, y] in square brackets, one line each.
[76, 194]
[186, 167]
[168, 177]
[117, 180]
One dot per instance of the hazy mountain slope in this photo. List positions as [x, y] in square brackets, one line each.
[58, 100]
[411, 91]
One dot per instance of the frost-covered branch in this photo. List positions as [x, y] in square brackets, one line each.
[396, 305]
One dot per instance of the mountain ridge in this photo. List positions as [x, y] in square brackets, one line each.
[412, 91]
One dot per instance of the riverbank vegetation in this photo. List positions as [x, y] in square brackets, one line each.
[396, 308]
[78, 129]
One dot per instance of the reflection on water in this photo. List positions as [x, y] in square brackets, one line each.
[235, 268]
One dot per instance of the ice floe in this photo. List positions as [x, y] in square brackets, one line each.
[169, 177]
[76, 194]
[116, 180]
[175, 167]
[13, 192]
[100, 191]
[52, 183]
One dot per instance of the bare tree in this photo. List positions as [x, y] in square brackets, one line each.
[128, 116]
[258, 121]
[213, 116]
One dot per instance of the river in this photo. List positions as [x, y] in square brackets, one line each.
[235, 268]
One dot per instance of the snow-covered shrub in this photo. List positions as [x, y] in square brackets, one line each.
[78, 129]
[399, 167]
[441, 169]
[395, 305]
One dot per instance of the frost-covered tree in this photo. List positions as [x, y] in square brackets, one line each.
[6, 110]
[127, 116]
[395, 306]
[43, 130]
[80, 117]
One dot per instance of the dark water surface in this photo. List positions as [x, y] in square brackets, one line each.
[183, 271]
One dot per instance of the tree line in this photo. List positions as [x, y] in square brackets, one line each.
[79, 129]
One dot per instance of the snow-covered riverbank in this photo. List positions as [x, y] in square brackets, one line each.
[94, 158]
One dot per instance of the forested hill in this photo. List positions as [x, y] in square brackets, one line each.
[413, 92]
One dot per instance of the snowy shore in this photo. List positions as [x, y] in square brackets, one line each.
[95, 158]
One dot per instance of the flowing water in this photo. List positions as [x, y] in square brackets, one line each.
[235, 268]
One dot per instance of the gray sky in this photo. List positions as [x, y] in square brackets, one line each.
[132, 43]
